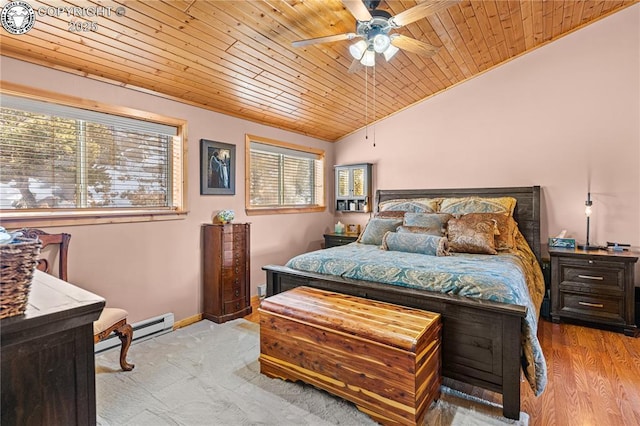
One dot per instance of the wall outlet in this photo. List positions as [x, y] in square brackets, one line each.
[262, 291]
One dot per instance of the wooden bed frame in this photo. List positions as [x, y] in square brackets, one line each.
[481, 340]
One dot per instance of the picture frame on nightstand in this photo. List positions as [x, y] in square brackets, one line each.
[353, 229]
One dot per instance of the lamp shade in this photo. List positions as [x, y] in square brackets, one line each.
[357, 49]
[381, 42]
[369, 58]
[390, 52]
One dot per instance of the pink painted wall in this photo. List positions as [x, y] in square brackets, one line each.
[565, 117]
[548, 118]
[155, 267]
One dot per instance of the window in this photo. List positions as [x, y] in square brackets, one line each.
[59, 161]
[283, 178]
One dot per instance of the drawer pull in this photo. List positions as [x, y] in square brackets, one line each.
[590, 277]
[591, 305]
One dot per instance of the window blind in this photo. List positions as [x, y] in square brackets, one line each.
[285, 177]
[60, 157]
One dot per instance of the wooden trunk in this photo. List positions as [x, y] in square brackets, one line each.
[384, 358]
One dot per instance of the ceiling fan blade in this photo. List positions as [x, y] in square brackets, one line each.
[421, 10]
[326, 39]
[412, 45]
[355, 66]
[358, 10]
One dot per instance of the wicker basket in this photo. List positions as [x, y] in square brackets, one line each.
[18, 262]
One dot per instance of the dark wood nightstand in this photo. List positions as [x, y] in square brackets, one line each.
[594, 286]
[332, 240]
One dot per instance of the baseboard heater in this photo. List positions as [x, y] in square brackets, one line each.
[142, 330]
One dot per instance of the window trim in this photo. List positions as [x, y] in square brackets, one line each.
[66, 217]
[279, 210]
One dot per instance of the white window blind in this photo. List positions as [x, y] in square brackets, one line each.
[283, 177]
[55, 156]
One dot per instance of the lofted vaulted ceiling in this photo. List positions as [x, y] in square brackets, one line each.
[236, 57]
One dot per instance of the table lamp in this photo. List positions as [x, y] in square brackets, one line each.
[587, 212]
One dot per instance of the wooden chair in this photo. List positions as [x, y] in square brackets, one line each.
[112, 320]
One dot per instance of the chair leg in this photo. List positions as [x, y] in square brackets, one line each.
[125, 333]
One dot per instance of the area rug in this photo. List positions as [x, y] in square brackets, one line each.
[208, 374]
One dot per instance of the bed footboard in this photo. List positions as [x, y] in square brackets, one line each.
[481, 340]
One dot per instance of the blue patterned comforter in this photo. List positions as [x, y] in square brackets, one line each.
[513, 278]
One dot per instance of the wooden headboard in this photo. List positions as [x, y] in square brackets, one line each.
[527, 212]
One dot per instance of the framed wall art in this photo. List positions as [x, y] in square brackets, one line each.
[217, 168]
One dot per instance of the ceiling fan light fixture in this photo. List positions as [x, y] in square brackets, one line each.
[369, 58]
[381, 42]
[357, 49]
[390, 52]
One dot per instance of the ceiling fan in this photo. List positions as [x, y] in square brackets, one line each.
[374, 27]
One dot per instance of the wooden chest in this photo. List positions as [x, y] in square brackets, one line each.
[384, 358]
[226, 271]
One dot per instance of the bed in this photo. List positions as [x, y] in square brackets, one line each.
[485, 342]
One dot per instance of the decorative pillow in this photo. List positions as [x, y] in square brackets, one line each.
[435, 222]
[507, 228]
[414, 205]
[391, 213]
[419, 230]
[376, 228]
[466, 205]
[472, 236]
[432, 245]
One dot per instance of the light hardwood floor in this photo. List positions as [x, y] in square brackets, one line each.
[594, 378]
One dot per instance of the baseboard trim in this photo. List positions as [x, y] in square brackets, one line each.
[187, 321]
[255, 304]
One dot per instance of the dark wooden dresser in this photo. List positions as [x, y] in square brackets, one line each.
[226, 271]
[595, 286]
[48, 364]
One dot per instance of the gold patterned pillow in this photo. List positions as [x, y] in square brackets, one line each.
[466, 205]
[414, 205]
[472, 236]
[391, 213]
[507, 229]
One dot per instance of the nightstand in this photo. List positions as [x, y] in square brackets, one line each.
[594, 286]
[332, 240]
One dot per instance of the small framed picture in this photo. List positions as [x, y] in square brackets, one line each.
[217, 168]
[353, 229]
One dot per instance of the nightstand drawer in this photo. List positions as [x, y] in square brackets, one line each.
[333, 240]
[595, 276]
[592, 308]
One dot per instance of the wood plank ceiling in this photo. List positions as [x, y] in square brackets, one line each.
[236, 57]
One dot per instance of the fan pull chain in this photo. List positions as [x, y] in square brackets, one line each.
[374, 103]
[366, 104]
